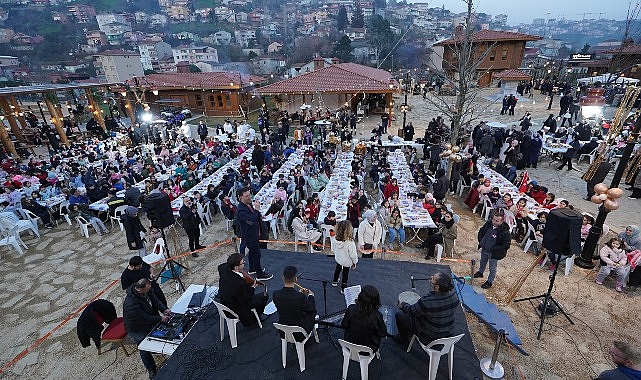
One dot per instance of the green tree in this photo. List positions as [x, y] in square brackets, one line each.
[194, 69]
[358, 18]
[343, 49]
[380, 36]
[585, 49]
[341, 19]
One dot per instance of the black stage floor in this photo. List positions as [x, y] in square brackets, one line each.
[258, 356]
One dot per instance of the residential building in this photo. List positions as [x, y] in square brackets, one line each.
[95, 39]
[194, 54]
[158, 21]
[111, 18]
[355, 34]
[274, 47]
[222, 37]
[150, 54]
[626, 61]
[497, 50]
[6, 35]
[118, 65]
[178, 12]
[266, 65]
[244, 37]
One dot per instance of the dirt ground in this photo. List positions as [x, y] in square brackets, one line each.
[62, 270]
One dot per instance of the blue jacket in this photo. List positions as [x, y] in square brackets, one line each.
[249, 222]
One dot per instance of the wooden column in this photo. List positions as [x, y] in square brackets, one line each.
[95, 110]
[11, 117]
[56, 119]
[6, 142]
[14, 102]
[129, 109]
[390, 111]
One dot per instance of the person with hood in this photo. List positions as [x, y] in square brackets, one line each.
[439, 188]
[494, 240]
[133, 227]
[369, 234]
[344, 250]
[140, 312]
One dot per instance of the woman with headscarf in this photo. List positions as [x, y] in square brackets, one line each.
[631, 243]
[133, 227]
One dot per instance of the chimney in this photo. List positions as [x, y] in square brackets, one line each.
[318, 63]
[335, 61]
[458, 31]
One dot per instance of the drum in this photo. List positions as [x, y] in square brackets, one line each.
[408, 297]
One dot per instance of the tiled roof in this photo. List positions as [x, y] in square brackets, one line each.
[117, 52]
[512, 74]
[339, 78]
[210, 80]
[491, 35]
[630, 49]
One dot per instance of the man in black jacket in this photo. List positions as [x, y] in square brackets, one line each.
[136, 270]
[202, 131]
[133, 226]
[249, 222]
[494, 240]
[140, 311]
[294, 308]
[236, 293]
[191, 224]
[132, 195]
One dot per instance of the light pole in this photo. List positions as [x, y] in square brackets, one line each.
[404, 106]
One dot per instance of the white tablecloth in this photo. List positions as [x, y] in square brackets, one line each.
[412, 213]
[337, 190]
[266, 194]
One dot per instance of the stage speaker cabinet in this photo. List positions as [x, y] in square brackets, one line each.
[159, 209]
[562, 234]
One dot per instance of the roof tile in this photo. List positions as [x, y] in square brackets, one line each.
[491, 35]
[208, 80]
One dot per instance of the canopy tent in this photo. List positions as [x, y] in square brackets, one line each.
[605, 78]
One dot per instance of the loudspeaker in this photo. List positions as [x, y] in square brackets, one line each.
[159, 210]
[562, 232]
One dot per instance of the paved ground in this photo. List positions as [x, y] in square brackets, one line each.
[62, 270]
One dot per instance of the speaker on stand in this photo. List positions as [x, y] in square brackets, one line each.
[562, 238]
[161, 215]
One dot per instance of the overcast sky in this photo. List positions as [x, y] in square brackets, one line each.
[523, 11]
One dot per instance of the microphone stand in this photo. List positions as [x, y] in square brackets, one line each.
[324, 327]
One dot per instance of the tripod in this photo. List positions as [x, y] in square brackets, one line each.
[326, 328]
[547, 299]
[171, 264]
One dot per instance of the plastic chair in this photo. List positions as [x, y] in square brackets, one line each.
[326, 232]
[590, 155]
[231, 318]
[84, 225]
[510, 219]
[23, 225]
[439, 251]
[529, 239]
[300, 239]
[206, 214]
[487, 209]
[288, 337]
[435, 355]
[30, 216]
[116, 217]
[65, 206]
[355, 352]
[157, 254]
[569, 261]
[11, 238]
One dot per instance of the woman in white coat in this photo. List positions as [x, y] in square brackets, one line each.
[299, 226]
[369, 233]
[344, 250]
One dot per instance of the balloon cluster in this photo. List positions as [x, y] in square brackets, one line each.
[452, 152]
[607, 196]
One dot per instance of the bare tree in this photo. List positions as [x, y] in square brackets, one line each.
[462, 76]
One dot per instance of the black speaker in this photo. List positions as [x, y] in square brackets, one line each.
[562, 232]
[159, 209]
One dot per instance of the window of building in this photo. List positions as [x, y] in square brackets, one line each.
[219, 99]
[504, 55]
[212, 101]
[199, 100]
[227, 100]
[492, 55]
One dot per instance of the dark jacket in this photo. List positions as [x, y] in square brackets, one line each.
[503, 239]
[89, 327]
[140, 312]
[190, 219]
[574, 147]
[295, 308]
[236, 294]
[133, 227]
[440, 187]
[115, 202]
[249, 222]
[362, 329]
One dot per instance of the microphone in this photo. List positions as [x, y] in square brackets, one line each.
[412, 281]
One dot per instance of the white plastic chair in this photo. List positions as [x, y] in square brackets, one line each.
[30, 216]
[589, 156]
[529, 239]
[435, 355]
[116, 217]
[300, 239]
[355, 352]
[326, 232]
[65, 206]
[84, 225]
[439, 251]
[510, 219]
[157, 254]
[569, 261]
[11, 237]
[231, 318]
[288, 332]
[23, 225]
[487, 209]
[206, 215]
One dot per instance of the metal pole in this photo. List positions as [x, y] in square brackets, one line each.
[407, 76]
[490, 367]
[585, 260]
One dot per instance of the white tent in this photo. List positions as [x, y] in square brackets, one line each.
[607, 78]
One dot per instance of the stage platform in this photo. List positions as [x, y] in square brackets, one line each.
[258, 356]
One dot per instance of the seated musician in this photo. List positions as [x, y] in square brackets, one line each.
[294, 308]
[237, 293]
[363, 322]
[432, 317]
